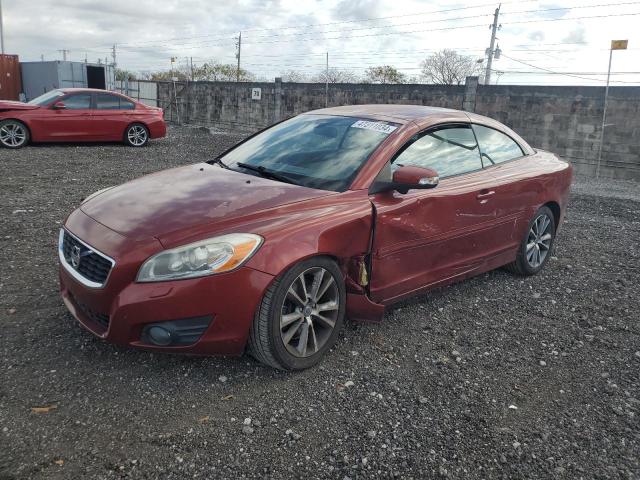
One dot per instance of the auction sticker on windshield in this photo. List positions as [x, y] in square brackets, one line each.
[375, 126]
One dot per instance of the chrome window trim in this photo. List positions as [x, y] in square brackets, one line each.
[72, 271]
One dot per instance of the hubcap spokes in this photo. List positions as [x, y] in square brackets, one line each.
[12, 135]
[539, 241]
[137, 135]
[309, 312]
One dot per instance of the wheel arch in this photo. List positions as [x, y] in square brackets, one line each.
[135, 122]
[22, 121]
[555, 209]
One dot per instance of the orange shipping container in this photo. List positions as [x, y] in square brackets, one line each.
[10, 82]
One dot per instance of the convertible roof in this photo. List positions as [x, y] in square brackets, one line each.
[395, 113]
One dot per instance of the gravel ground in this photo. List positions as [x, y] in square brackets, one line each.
[496, 377]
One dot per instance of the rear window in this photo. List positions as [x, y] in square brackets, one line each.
[495, 146]
[113, 102]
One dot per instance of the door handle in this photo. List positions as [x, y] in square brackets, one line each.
[485, 194]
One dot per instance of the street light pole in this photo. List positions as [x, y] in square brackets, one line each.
[615, 45]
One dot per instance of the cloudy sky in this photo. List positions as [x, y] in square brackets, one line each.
[569, 38]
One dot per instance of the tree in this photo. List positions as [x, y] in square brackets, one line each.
[209, 71]
[219, 72]
[335, 76]
[123, 75]
[447, 67]
[167, 76]
[384, 74]
[294, 76]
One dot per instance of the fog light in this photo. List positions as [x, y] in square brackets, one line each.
[159, 335]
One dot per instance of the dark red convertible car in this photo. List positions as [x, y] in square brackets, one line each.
[79, 115]
[341, 211]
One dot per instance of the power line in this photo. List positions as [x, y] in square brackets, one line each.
[403, 32]
[554, 72]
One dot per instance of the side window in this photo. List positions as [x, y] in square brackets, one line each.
[77, 102]
[495, 146]
[107, 102]
[126, 105]
[449, 151]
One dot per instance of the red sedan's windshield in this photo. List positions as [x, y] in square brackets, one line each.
[316, 151]
[46, 99]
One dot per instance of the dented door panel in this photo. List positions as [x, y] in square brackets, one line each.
[424, 237]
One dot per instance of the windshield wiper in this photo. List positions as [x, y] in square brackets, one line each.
[266, 173]
[220, 162]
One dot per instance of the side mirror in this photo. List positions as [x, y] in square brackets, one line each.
[59, 106]
[409, 177]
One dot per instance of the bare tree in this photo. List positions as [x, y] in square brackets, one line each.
[447, 67]
[384, 74]
[335, 76]
[294, 76]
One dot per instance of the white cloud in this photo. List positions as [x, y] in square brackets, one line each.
[280, 35]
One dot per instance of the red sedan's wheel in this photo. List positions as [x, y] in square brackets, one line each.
[13, 134]
[535, 248]
[136, 135]
[300, 316]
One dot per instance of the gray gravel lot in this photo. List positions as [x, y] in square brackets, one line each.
[496, 377]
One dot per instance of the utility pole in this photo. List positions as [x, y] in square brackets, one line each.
[1, 30]
[490, 51]
[615, 45]
[326, 83]
[191, 62]
[64, 54]
[42, 57]
[113, 54]
[239, 45]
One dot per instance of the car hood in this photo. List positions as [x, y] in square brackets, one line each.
[189, 199]
[11, 105]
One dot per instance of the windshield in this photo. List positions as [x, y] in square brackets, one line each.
[46, 99]
[316, 151]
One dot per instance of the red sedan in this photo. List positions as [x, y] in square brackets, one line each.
[79, 115]
[341, 211]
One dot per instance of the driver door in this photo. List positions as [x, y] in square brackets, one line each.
[430, 237]
[71, 123]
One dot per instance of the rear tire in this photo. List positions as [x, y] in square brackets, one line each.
[300, 316]
[14, 134]
[536, 246]
[136, 135]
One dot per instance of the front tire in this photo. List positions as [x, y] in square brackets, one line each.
[13, 134]
[537, 244]
[136, 135]
[300, 316]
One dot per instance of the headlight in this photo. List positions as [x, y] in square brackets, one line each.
[207, 257]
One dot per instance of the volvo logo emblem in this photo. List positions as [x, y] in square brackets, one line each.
[75, 257]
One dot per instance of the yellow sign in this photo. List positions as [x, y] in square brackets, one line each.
[619, 44]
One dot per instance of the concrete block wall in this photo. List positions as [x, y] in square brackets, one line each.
[564, 120]
[568, 121]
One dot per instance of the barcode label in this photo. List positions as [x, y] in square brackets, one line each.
[375, 126]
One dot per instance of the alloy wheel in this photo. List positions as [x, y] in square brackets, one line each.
[539, 241]
[137, 135]
[309, 312]
[13, 135]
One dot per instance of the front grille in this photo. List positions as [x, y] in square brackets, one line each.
[101, 319]
[88, 263]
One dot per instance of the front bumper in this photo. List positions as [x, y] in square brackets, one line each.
[119, 313]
